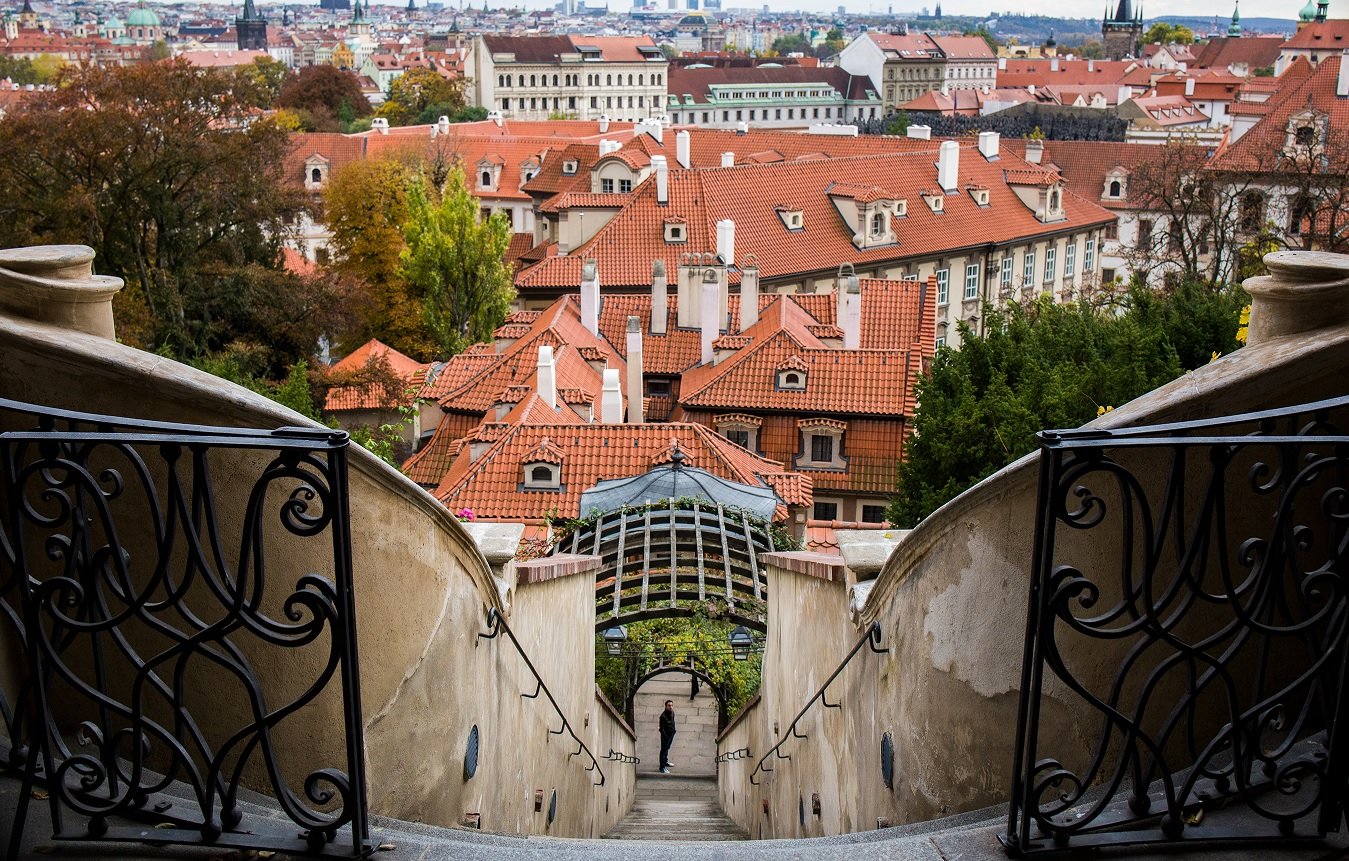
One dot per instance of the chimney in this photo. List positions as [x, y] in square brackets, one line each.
[1342, 83]
[1053, 64]
[948, 165]
[634, 370]
[711, 299]
[988, 145]
[604, 147]
[1091, 65]
[604, 124]
[851, 318]
[728, 159]
[547, 376]
[1002, 64]
[683, 149]
[497, 117]
[749, 297]
[590, 296]
[1189, 85]
[741, 127]
[921, 133]
[1035, 151]
[662, 178]
[726, 241]
[380, 124]
[660, 304]
[1030, 88]
[443, 125]
[611, 399]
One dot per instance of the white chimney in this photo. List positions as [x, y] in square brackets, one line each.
[1091, 65]
[604, 147]
[380, 124]
[749, 297]
[590, 296]
[1002, 64]
[741, 127]
[921, 133]
[611, 399]
[635, 370]
[1030, 88]
[497, 117]
[1342, 83]
[547, 377]
[711, 299]
[948, 165]
[851, 318]
[683, 149]
[660, 304]
[726, 241]
[604, 123]
[1189, 84]
[1035, 151]
[1053, 64]
[988, 145]
[728, 159]
[443, 125]
[662, 178]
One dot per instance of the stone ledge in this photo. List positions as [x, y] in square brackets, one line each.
[553, 567]
[823, 566]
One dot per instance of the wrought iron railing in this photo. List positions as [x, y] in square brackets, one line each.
[872, 639]
[166, 661]
[496, 624]
[1186, 634]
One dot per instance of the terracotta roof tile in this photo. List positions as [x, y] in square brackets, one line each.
[1261, 148]
[371, 396]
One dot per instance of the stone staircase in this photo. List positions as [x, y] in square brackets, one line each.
[676, 807]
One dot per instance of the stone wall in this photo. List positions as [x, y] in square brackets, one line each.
[422, 591]
[695, 744]
[951, 603]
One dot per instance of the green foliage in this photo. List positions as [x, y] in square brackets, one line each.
[982, 33]
[1043, 365]
[411, 93]
[292, 391]
[796, 43]
[457, 114]
[898, 124]
[701, 641]
[456, 263]
[322, 90]
[18, 70]
[1162, 33]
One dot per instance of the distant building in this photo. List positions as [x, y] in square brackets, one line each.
[252, 29]
[1122, 34]
[770, 96]
[903, 67]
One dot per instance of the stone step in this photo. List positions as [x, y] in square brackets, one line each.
[673, 807]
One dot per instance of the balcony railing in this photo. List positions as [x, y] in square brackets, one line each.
[1186, 635]
[182, 595]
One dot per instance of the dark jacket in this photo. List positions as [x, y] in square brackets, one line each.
[667, 724]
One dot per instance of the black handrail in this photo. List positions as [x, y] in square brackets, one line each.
[871, 638]
[738, 753]
[495, 625]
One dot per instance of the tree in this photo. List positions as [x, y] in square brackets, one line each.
[366, 207]
[1043, 365]
[796, 43]
[157, 52]
[1162, 33]
[898, 124]
[164, 169]
[323, 91]
[1313, 167]
[433, 113]
[18, 70]
[419, 87]
[456, 263]
[269, 76]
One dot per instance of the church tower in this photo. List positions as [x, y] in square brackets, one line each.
[251, 28]
[1121, 34]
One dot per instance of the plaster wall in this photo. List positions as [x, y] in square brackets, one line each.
[422, 592]
[951, 602]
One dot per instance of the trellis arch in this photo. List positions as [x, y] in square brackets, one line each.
[664, 560]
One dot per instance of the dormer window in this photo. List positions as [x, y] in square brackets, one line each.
[791, 375]
[878, 225]
[1304, 136]
[676, 231]
[569, 167]
[1115, 189]
[792, 218]
[821, 444]
[741, 429]
[543, 476]
[979, 196]
[485, 180]
[316, 172]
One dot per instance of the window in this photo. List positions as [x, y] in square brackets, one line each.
[543, 476]
[1116, 188]
[1305, 136]
[540, 474]
[486, 179]
[1299, 207]
[606, 186]
[1252, 211]
[1107, 276]
[940, 341]
[625, 186]
[1089, 256]
[1173, 237]
[972, 281]
[821, 448]
[1069, 260]
[877, 225]
[943, 285]
[825, 511]
[1112, 230]
[316, 176]
[1050, 264]
[657, 388]
[674, 233]
[1144, 233]
[739, 436]
[1007, 273]
[1028, 268]
[792, 380]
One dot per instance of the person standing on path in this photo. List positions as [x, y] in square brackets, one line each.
[667, 734]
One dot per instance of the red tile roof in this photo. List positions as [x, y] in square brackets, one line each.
[1261, 148]
[372, 396]
[696, 82]
[1255, 52]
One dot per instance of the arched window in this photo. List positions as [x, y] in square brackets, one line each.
[1054, 200]
[877, 224]
[316, 176]
[629, 80]
[555, 80]
[1116, 188]
[540, 475]
[608, 80]
[486, 178]
[641, 82]
[1252, 211]
[532, 82]
[791, 379]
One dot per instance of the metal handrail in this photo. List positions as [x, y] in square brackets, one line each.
[871, 638]
[495, 625]
[738, 753]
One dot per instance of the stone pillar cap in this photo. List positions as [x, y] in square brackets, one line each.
[55, 284]
[1305, 291]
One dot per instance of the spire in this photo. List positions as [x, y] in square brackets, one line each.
[1307, 12]
[249, 12]
[1322, 10]
[1234, 31]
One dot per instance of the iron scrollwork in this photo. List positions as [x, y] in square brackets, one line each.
[1208, 561]
[154, 618]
